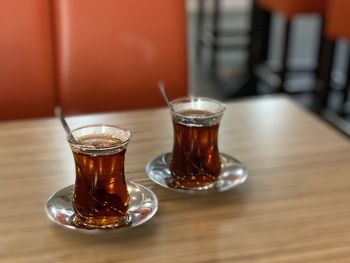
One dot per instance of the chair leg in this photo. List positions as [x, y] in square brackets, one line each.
[259, 43]
[200, 26]
[215, 40]
[345, 90]
[284, 68]
[316, 104]
[253, 48]
[265, 23]
[259, 36]
[320, 49]
[325, 73]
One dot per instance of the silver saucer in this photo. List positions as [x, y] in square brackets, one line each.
[233, 173]
[142, 207]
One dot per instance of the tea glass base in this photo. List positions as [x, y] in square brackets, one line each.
[233, 173]
[143, 205]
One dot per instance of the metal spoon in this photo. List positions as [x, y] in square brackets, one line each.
[60, 115]
[164, 95]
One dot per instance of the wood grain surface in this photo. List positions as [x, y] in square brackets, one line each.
[294, 207]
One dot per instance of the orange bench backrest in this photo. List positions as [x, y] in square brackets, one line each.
[26, 75]
[111, 53]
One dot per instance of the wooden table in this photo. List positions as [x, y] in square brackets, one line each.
[294, 207]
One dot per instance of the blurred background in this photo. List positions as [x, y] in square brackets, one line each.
[93, 56]
[242, 48]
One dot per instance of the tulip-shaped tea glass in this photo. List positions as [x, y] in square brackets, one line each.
[102, 198]
[195, 158]
[100, 191]
[195, 163]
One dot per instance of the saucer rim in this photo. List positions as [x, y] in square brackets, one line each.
[96, 229]
[194, 190]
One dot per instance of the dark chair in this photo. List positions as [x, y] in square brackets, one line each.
[260, 36]
[210, 34]
[337, 27]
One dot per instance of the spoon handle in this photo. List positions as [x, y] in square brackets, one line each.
[60, 115]
[164, 95]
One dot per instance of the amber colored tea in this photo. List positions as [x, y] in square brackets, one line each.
[195, 158]
[100, 194]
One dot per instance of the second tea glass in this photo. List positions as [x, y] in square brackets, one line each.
[196, 161]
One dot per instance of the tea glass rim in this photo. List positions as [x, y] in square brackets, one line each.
[107, 148]
[194, 98]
